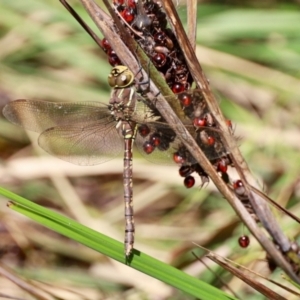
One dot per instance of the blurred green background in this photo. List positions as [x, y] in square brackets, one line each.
[251, 55]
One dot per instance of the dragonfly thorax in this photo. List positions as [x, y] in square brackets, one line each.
[123, 103]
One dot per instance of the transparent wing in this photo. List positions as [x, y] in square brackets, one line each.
[41, 115]
[83, 145]
[152, 127]
[158, 143]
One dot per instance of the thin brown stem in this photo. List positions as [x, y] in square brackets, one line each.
[192, 22]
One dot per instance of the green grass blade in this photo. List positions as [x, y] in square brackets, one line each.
[113, 248]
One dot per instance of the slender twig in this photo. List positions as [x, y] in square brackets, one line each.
[192, 22]
[224, 283]
[82, 23]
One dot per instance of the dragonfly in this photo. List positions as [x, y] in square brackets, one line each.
[91, 133]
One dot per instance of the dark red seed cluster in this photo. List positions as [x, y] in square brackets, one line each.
[188, 166]
[155, 138]
[112, 57]
[147, 23]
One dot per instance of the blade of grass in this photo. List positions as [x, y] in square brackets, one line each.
[113, 248]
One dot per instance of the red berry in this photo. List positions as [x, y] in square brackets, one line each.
[222, 166]
[184, 171]
[244, 241]
[178, 88]
[148, 147]
[199, 122]
[210, 140]
[106, 45]
[159, 59]
[155, 139]
[185, 99]
[179, 159]
[189, 181]
[238, 184]
[144, 130]
[113, 59]
[128, 14]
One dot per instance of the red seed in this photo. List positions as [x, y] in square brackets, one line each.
[106, 45]
[210, 140]
[185, 99]
[155, 139]
[148, 147]
[179, 159]
[189, 181]
[237, 184]
[222, 166]
[244, 241]
[177, 88]
[144, 130]
[199, 122]
[239, 188]
[128, 14]
[184, 171]
[159, 59]
[113, 59]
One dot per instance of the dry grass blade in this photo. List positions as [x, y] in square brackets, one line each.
[216, 275]
[82, 23]
[192, 22]
[24, 285]
[261, 208]
[251, 282]
[275, 204]
[226, 263]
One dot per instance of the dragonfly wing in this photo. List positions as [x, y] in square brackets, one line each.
[41, 115]
[158, 143]
[162, 139]
[82, 145]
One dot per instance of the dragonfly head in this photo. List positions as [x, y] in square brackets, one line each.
[120, 77]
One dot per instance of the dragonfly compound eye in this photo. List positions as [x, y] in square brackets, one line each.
[120, 77]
